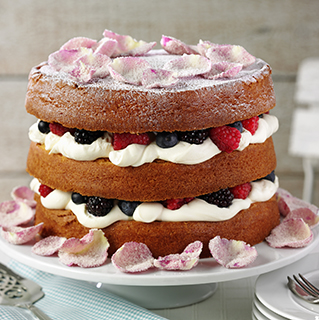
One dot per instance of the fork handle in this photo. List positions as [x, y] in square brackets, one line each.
[37, 312]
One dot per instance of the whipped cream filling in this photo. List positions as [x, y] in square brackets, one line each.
[136, 155]
[147, 212]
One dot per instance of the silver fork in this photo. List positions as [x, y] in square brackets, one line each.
[304, 289]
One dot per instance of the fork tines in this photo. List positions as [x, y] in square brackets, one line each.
[307, 286]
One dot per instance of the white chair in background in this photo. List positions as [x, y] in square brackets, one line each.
[304, 141]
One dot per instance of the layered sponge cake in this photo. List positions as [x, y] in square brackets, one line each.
[163, 147]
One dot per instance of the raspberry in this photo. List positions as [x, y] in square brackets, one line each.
[242, 191]
[122, 140]
[86, 137]
[58, 129]
[194, 137]
[99, 207]
[173, 204]
[226, 138]
[44, 190]
[222, 198]
[251, 124]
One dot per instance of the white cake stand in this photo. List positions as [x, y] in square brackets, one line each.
[157, 289]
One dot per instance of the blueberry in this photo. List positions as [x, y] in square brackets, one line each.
[78, 198]
[44, 127]
[166, 139]
[238, 125]
[128, 207]
[271, 176]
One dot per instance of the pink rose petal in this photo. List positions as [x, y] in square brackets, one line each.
[188, 65]
[293, 233]
[203, 46]
[78, 42]
[232, 253]
[187, 260]
[230, 53]
[25, 195]
[223, 70]
[133, 257]
[14, 213]
[175, 46]
[128, 69]
[89, 251]
[48, 246]
[287, 203]
[306, 214]
[19, 235]
[126, 45]
[63, 60]
[106, 46]
[91, 66]
[158, 78]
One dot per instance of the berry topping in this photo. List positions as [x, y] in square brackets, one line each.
[86, 137]
[251, 124]
[226, 138]
[222, 198]
[44, 127]
[122, 140]
[58, 129]
[271, 176]
[238, 125]
[78, 198]
[242, 191]
[173, 204]
[194, 137]
[44, 190]
[166, 139]
[99, 207]
[128, 207]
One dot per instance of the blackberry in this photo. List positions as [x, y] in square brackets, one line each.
[128, 207]
[194, 137]
[86, 137]
[222, 198]
[44, 127]
[166, 139]
[238, 125]
[77, 198]
[98, 206]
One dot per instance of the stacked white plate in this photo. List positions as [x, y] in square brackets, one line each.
[273, 300]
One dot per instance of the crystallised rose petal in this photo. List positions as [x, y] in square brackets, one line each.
[306, 214]
[187, 260]
[14, 213]
[128, 69]
[89, 251]
[24, 194]
[223, 70]
[63, 60]
[126, 45]
[158, 78]
[48, 246]
[287, 203]
[91, 66]
[133, 257]
[77, 43]
[293, 233]
[188, 65]
[20, 235]
[175, 46]
[230, 53]
[232, 253]
[203, 46]
[105, 46]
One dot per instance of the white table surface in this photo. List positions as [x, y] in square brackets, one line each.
[232, 300]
